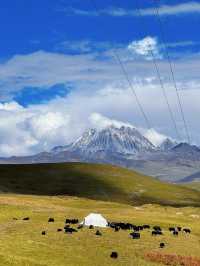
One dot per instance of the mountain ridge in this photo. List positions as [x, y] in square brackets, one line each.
[126, 147]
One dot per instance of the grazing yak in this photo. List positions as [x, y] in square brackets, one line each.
[98, 233]
[51, 220]
[157, 228]
[91, 227]
[59, 230]
[175, 233]
[187, 230]
[120, 225]
[135, 235]
[156, 233]
[71, 221]
[172, 229]
[114, 255]
[127, 226]
[26, 219]
[162, 245]
[146, 226]
[43, 233]
[70, 230]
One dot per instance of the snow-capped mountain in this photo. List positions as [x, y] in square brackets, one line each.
[126, 147]
[123, 140]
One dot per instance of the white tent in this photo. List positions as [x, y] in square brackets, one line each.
[95, 219]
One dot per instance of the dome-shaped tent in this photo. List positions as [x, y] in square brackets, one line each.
[95, 219]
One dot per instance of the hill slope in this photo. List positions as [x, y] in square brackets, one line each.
[194, 185]
[94, 181]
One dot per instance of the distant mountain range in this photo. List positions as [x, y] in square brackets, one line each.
[125, 147]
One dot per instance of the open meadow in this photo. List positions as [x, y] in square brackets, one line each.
[74, 190]
[23, 244]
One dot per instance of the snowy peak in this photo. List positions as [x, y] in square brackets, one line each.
[124, 140]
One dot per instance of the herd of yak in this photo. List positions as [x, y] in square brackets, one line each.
[117, 226]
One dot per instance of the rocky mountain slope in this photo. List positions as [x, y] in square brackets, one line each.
[124, 140]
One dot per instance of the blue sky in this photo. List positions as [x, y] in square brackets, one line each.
[27, 26]
[57, 67]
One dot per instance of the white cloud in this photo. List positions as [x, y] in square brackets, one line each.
[99, 121]
[86, 46]
[25, 131]
[176, 9]
[47, 125]
[155, 137]
[179, 9]
[110, 11]
[10, 106]
[146, 47]
[88, 71]
[43, 70]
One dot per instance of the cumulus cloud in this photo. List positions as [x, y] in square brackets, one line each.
[25, 131]
[146, 47]
[46, 126]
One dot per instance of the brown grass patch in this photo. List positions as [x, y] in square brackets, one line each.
[172, 259]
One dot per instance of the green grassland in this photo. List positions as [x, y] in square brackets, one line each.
[73, 191]
[94, 181]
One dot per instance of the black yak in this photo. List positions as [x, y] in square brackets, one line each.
[114, 255]
[162, 245]
[135, 235]
[187, 230]
[98, 233]
[26, 219]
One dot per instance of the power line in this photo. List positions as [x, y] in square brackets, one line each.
[159, 78]
[124, 72]
[172, 71]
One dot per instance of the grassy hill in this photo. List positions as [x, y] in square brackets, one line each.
[93, 181]
[193, 185]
